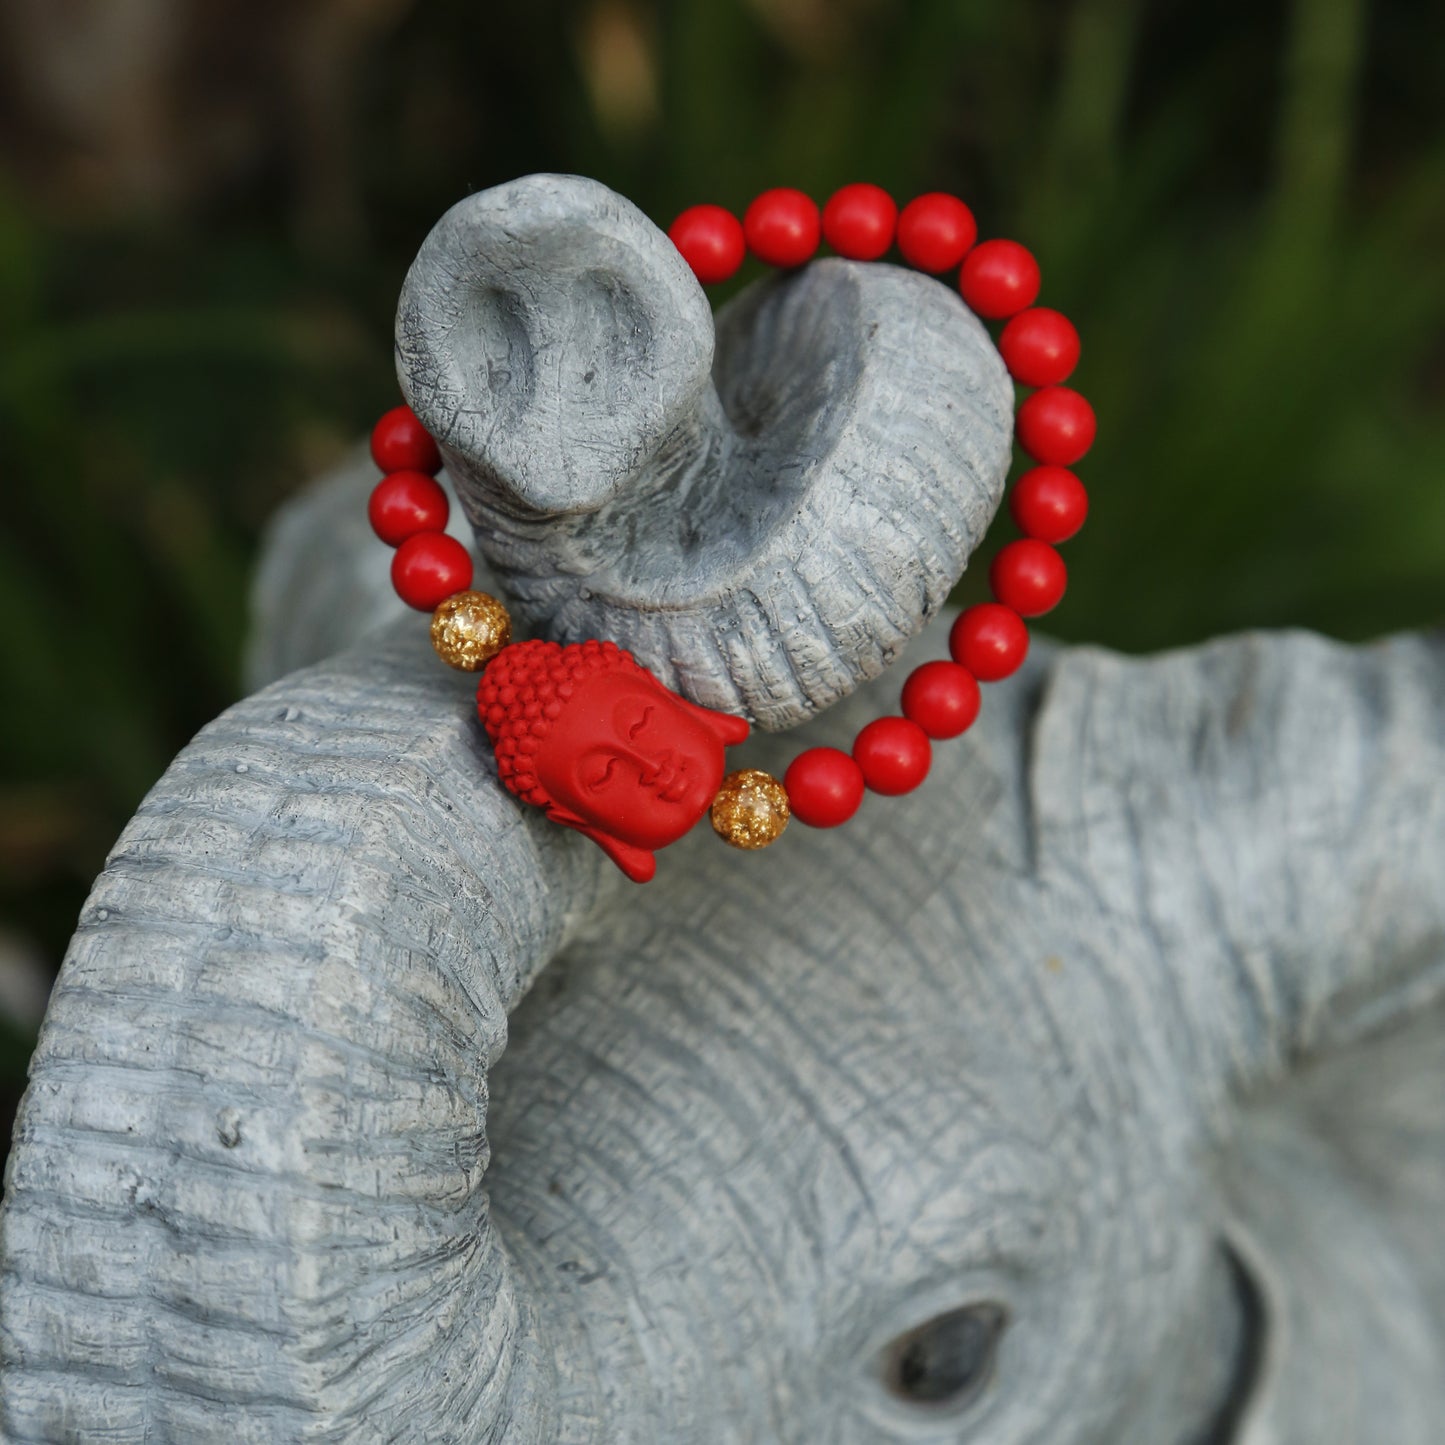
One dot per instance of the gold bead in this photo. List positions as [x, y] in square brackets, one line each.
[751, 809]
[469, 629]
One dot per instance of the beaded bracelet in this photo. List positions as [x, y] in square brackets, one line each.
[590, 735]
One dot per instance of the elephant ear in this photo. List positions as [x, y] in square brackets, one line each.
[1260, 826]
[246, 1186]
[1271, 808]
[1335, 1187]
[765, 528]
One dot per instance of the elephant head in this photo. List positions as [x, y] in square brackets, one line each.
[1052, 1103]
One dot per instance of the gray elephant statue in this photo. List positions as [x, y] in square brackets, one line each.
[1090, 1095]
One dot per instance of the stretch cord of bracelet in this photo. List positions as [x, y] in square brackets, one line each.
[589, 734]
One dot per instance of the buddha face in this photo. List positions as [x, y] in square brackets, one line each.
[633, 765]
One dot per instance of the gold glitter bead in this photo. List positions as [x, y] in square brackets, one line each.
[469, 629]
[751, 809]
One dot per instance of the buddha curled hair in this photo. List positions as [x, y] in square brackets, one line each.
[523, 691]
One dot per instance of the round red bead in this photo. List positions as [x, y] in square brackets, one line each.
[935, 232]
[894, 755]
[999, 278]
[824, 787]
[1049, 503]
[1040, 347]
[942, 698]
[1028, 576]
[990, 640]
[400, 443]
[858, 221]
[783, 227]
[710, 239]
[404, 504]
[1056, 425]
[428, 568]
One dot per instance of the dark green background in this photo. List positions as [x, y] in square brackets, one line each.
[1242, 204]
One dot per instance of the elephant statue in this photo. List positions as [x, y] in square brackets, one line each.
[1089, 1095]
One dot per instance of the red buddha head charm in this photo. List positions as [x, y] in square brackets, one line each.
[589, 734]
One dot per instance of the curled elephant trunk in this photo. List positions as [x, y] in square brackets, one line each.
[764, 528]
[323, 907]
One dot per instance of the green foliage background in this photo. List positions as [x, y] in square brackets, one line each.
[1242, 205]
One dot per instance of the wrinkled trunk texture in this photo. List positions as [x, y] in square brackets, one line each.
[245, 1195]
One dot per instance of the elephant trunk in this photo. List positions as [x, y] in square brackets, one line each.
[246, 1194]
[765, 529]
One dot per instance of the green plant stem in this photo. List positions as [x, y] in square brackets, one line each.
[1317, 115]
[1083, 141]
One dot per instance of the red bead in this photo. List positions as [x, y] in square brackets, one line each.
[824, 787]
[1028, 576]
[1055, 425]
[404, 504]
[1040, 347]
[783, 227]
[1049, 503]
[894, 754]
[858, 221]
[942, 698]
[428, 568]
[999, 278]
[400, 443]
[935, 232]
[711, 241]
[990, 640]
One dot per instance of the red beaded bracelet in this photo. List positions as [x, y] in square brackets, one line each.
[590, 735]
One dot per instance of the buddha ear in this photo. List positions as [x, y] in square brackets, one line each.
[640, 864]
[724, 726]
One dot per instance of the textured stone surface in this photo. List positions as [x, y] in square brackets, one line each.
[1123, 1033]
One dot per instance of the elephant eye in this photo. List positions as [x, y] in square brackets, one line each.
[947, 1360]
